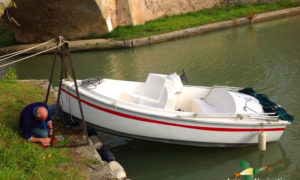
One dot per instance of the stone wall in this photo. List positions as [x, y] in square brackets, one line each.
[119, 11]
[146, 10]
[2, 8]
[3, 5]
[2, 24]
[42, 20]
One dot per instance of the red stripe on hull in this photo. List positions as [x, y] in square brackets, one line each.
[167, 123]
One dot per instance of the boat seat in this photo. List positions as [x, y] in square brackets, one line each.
[158, 91]
[200, 106]
[153, 86]
[174, 83]
[149, 92]
[219, 100]
[129, 97]
[166, 101]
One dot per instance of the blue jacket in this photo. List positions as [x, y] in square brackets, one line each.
[28, 120]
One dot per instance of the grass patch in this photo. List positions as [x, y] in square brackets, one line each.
[91, 162]
[20, 159]
[172, 23]
[7, 37]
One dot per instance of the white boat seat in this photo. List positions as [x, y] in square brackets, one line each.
[174, 83]
[158, 91]
[166, 101]
[153, 87]
[126, 96]
[219, 100]
[200, 106]
[148, 93]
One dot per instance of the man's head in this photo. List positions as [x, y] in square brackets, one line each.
[41, 113]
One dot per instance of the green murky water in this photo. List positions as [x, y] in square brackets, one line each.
[265, 56]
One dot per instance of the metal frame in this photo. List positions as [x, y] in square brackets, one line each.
[64, 53]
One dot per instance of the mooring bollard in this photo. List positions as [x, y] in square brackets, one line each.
[117, 170]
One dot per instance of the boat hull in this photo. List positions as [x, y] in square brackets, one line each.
[110, 118]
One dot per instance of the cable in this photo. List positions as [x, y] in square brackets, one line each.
[7, 56]
[30, 56]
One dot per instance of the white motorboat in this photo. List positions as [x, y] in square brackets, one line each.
[163, 109]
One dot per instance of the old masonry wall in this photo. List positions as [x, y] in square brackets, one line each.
[41, 20]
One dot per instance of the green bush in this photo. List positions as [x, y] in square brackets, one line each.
[11, 74]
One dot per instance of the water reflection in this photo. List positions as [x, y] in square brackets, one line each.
[166, 161]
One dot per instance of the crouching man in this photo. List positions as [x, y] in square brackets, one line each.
[36, 124]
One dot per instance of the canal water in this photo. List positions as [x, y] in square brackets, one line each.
[265, 56]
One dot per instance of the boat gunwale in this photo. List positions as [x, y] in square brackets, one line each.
[169, 141]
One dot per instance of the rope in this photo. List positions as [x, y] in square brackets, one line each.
[7, 56]
[30, 56]
[204, 99]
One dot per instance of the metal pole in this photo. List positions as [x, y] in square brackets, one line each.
[59, 93]
[78, 95]
[52, 71]
[63, 54]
